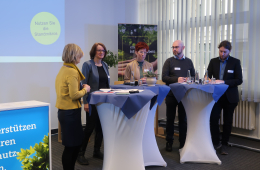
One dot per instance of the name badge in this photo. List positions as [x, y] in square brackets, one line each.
[177, 68]
[230, 71]
[145, 70]
[108, 77]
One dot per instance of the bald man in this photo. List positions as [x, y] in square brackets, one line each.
[175, 71]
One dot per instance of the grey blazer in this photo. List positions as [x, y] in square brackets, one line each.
[90, 71]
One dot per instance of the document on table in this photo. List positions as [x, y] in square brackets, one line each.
[125, 90]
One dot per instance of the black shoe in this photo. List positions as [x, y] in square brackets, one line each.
[168, 147]
[98, 154]
[223, 150]
[218, 146]
[82, 160]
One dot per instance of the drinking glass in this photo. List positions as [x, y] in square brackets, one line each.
[188, 74]
[140, 82]
[213, 81]
[197, 79]
[192, 80]
[188, 80]
[202, 81]
[132, 79]
[206, 78]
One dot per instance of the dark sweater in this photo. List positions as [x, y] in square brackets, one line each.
[103, 80]
[174, 68]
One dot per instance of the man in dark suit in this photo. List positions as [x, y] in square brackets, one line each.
[226, 70]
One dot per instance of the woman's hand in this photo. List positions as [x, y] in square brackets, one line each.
[86, 107]
[87, 87]
[143, 80]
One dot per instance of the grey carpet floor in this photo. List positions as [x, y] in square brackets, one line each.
[237, 159]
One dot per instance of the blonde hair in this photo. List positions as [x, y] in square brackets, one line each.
[71, 52]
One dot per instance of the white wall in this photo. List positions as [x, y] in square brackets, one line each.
[86, 22]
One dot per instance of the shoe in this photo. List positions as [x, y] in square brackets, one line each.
[223, 150]
[82, 160]
[168, 147]
[98, 154]
[218, 146]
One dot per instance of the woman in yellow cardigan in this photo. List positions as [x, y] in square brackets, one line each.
[69, 93]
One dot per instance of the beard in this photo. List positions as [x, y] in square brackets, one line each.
[224, 57]
[177, 54]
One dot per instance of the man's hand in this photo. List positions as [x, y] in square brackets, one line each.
[219, 82]
[86, 107]
[181, 79]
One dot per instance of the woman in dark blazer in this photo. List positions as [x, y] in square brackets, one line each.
[97, 76]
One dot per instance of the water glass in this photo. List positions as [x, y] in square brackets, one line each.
[188, 73]
[202, 81]
[197, 79]
[132, 83]
[132, 79]
[192, 80]
[140, 82]
[213, 81]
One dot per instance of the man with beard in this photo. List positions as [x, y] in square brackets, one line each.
[227, 70]
[175, 71]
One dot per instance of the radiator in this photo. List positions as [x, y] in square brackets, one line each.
[244, 115]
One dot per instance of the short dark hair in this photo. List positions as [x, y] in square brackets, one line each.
[141, 45]
[226, 44]
[93, 50]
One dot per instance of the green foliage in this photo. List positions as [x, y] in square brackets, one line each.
[150, 74]
[111, 59]
[41, 159]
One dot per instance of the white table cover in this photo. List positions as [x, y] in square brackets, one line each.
[198, 147]
[122, 137]
[151, 153]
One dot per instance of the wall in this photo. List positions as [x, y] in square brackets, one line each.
[86, 22]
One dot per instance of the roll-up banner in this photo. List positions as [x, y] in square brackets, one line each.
[128, 36]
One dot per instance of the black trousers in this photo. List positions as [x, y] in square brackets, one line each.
[93, 122]
[171, 104]
[228, 110]
[69, 157]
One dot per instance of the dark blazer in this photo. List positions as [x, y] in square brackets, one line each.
[232, 79]
[90, 71]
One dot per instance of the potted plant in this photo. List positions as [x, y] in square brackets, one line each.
[150, 78]
[111, 59]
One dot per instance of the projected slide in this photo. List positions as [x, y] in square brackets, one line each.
[32, 31]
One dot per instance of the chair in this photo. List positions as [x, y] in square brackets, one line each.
[160, 82]
[118, 82]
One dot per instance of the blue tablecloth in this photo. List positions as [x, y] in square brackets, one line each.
[160, 90]
[130, 104]
[179, 90]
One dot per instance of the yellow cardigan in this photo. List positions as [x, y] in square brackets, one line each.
[67, 86]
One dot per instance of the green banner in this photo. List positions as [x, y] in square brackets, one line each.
[128, 36]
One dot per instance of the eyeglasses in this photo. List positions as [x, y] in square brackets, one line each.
[175, 47]
[100, 51]
[142, 52]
